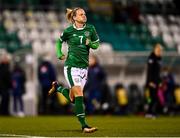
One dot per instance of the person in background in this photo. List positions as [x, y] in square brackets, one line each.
[94, 87]
[169, 80]
[135, 99]
[5, 84]
[18, 89]
[153, 79]
[46, 75]
[177, 99]
[121, 100]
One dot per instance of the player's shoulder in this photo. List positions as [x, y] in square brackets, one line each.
[90, 26]
[69, 28]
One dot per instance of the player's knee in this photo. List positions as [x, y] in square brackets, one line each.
[77, 91]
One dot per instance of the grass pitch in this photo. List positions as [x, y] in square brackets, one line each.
[109, 126]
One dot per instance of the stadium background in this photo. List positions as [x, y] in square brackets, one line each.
[128, 29]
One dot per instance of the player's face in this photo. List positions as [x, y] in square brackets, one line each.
[80, 16]
[158, 50]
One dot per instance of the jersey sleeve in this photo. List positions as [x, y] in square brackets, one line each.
[63, 36]
[94, 36]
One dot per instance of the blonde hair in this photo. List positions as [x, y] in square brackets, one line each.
[70, 13]
[158, 45]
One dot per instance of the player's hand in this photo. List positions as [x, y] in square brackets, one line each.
[62, 57]
[87, 41]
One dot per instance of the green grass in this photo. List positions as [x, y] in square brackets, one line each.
[68, 126]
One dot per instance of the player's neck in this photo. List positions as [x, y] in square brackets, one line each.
[79, 25]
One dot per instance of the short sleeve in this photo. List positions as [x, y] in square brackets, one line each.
[94, 36]
[63, 36]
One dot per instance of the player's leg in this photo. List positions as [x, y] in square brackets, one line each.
[80, 81]
[56, 87]
[73, 79]
[75, 94]
[80, 110]
[79, 106]
[151, 109]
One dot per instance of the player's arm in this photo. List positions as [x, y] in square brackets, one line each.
[93, 45]
[59, 53]
[59, 42]
[150, 73]
[93, 42]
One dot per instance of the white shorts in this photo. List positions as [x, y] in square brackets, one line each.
[75, 76]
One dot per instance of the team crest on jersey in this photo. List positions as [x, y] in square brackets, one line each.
[87, 33]
[77, 80]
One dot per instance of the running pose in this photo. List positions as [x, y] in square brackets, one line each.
[80, 37]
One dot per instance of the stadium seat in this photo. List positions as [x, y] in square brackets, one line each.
[168, 40]
[31, 24]
[34, 35]
[7, 14]
[164, 28]
[50, 24]
[9, 25]
[159, 19]
[23, 35]
[176, 38]
[174, 28]
[2, 36]
[55, 34]
[154, 30]
[13, 46]
[150, 19]
[51, 16]
[48, 46]
[44, 35]
[37, 47]
[3, 45]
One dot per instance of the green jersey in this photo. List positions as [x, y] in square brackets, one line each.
[78, 51]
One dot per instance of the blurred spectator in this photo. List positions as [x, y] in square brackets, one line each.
[177, 98]
[18, 89]
[161, 103]
[135, 99]
[169, 82]
[106, 100]
[153, 79]
[46, 75]
[5, 84]
[121, 97]
[96, 89]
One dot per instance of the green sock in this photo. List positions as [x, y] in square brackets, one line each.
[65, 92]
[79, 110]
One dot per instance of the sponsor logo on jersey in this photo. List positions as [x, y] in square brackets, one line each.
[86, 33]
[74, 35]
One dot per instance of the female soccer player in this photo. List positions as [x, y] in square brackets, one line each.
[80, 37]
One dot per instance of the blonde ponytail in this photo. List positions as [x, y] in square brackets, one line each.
[69, 15]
